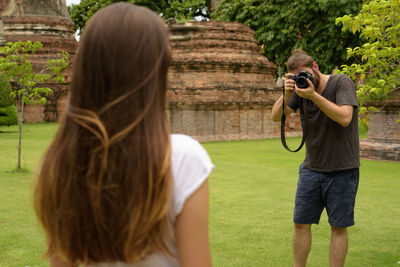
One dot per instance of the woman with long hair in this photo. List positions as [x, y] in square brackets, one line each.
[115, 188]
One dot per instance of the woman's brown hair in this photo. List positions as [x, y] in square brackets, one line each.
[104, 188]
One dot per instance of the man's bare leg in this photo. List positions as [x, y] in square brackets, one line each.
[301, 244]
[338, 248]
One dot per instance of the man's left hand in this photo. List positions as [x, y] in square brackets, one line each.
[308, 92]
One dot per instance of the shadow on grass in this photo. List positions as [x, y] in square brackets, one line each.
[8, 132]
[19, 171]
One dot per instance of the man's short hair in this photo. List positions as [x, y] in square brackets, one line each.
[298, 59]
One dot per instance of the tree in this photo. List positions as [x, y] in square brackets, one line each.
[179, 9]
[8, 111]
[184, 10]
[281, 26]
[17, 68]
[377, 60]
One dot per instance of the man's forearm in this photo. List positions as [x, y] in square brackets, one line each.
[340, 114]
[276, 113]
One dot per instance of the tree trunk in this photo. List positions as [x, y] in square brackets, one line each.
[20, 124]
[214, 4]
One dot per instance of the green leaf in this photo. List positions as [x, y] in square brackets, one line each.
[381, 83]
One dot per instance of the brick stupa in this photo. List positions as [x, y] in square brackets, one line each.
[221, 86]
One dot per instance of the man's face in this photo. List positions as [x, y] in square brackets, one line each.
[316, 76]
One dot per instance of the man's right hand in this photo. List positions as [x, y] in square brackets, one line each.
[289, 85]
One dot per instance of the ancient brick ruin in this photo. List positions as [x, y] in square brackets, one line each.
[48, 22]
[221, 87]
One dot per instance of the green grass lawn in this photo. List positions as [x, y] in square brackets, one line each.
[251, 204]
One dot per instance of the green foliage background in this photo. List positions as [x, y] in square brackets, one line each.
[281, 26]
[179, 9]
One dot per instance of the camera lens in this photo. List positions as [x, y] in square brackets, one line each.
[301, 82]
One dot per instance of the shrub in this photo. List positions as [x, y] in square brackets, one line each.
[8, 112]
[5, 90]
[8, 115]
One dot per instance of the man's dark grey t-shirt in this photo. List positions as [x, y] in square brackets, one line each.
[330, 146]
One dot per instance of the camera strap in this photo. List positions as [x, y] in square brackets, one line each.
[283, 120]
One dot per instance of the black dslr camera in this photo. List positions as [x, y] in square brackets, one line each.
[301, 79]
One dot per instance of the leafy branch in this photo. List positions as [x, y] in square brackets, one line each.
[377, 71]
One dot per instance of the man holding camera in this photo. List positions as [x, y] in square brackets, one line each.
[328, 177]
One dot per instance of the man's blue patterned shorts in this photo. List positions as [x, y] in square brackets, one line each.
[335, 191]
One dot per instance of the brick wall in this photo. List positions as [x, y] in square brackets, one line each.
[230, 122]
[383, 140]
